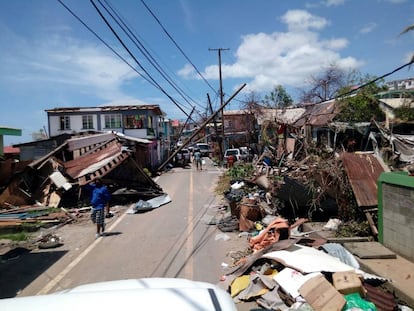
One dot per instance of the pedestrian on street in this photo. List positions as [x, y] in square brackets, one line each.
[100, 204]
[198, 160]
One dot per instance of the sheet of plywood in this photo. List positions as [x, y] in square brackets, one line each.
[369, 250]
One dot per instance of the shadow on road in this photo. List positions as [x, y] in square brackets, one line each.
[111, 233]
[18, 271]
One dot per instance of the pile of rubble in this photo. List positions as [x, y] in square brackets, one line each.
[284, 268]
[48, 192]
[288, 274]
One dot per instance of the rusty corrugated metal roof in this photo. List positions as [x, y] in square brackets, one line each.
[383, 300]
[363, 170]
[11, 150]
[318, 114]
[97, 163]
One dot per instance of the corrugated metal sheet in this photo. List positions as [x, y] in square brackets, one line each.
[97, 163]
[363, 170]
[384, 301]
[318, 114]
[87, 141]
[10, 149]
[286, 116]
[155, 108]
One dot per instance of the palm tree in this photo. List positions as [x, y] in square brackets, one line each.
[409, 28]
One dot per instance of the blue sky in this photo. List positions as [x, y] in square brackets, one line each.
[48, 59]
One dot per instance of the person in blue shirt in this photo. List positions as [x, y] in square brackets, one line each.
[100, 203]
[198, 159]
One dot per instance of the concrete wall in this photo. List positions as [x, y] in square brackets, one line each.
[396, 213]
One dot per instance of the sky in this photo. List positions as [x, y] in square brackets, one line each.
[62, 53]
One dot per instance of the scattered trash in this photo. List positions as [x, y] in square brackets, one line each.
[222, 236]
[50, 241]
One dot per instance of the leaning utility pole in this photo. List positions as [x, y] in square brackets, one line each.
[200, 128]
[221, 101]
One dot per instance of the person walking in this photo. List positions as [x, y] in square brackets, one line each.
[100, 204]
[198, 159]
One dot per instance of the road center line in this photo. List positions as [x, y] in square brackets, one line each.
[56, 280]
[189, 271]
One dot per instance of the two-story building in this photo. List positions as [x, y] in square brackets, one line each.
[143, 121]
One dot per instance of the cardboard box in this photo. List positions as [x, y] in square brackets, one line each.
[348, 282]
[321, 295]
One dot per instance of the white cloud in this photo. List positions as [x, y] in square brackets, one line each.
[297, 20]
[64, 62]
[368, 28]
[288, 58]
[397, 1]
[188, 15]
[333, 2]
[186, 71]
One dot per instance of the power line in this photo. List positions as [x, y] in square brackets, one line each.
[143, 50]
[149, 79]
[375, 80]
[103, 41]
[146, 53]
[176, 44]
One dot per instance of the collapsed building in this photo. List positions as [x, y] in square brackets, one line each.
[56, 179]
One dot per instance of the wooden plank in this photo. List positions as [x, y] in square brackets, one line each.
[370, 250]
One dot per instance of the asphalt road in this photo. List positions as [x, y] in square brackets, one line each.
[174, 240]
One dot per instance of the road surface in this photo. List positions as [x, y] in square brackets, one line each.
[174, 240]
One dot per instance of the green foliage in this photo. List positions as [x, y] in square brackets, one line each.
[363, 106]
[240, 171]
[404, 113]
[354, 228]
[278, 98]
[147, 171]
[19, 236]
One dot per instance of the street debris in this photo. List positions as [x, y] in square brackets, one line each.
[49, 192]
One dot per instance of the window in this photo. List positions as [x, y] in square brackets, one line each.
[87, 122]
[64, 123]
[113, 121]
[135, 122]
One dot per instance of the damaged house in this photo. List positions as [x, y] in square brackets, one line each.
[138, 121]
[315, 173]
[56, 179]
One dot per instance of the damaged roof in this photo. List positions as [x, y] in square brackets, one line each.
[79, 160]
[282, 116]
[363, 171]
[318, 114]
[155, 108]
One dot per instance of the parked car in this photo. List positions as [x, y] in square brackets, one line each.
[235, 153]
[186, 155]
[204, 149]
[245, 154]
[182, 158]
[137, 294]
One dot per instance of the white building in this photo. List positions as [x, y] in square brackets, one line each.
[139, 121]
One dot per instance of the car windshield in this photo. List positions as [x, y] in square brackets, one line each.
[231, 152]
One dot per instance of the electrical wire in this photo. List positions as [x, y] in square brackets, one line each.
[149, 79]
[374, 80]
[145, 52]
[176, 44]
[133, 56]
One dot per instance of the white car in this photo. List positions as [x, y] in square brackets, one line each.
[133, 294]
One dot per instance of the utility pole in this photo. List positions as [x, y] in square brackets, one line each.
[201, 127]
[215, 124]
[221, 100]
